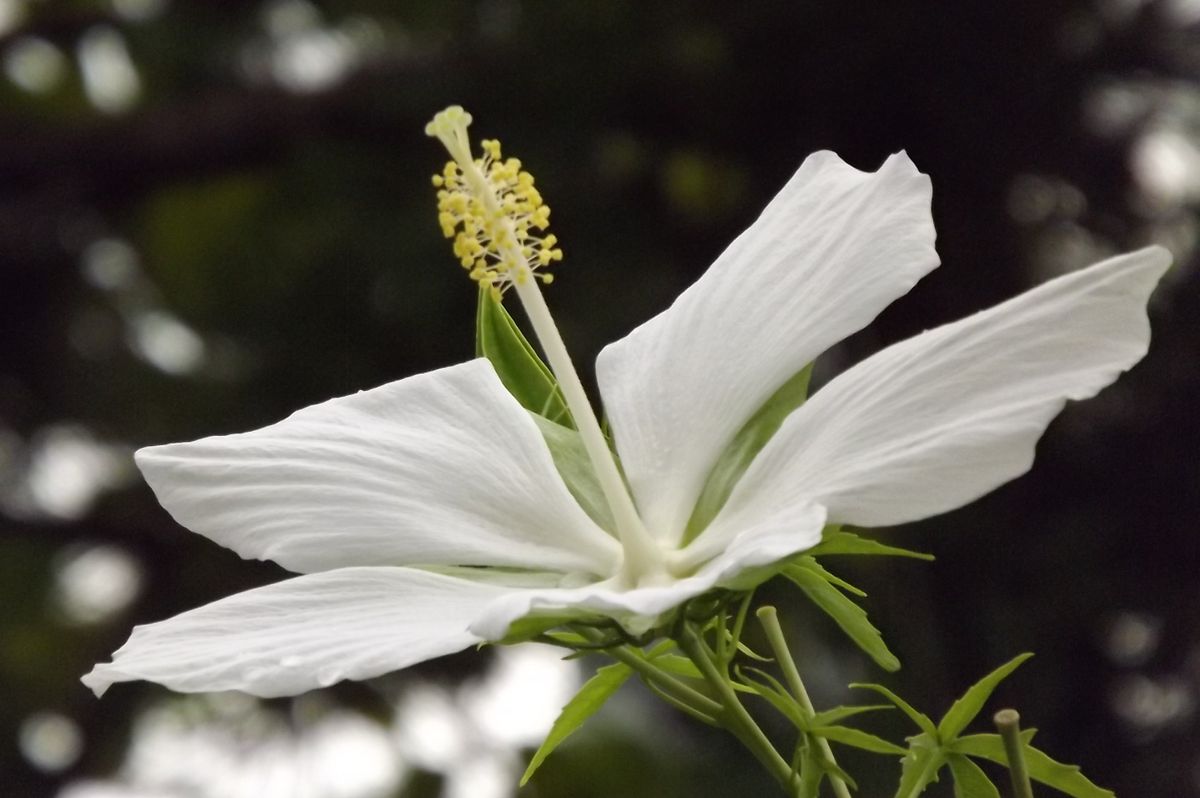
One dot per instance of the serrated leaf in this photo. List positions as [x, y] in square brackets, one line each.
[837, 541]
[575, 467]
[522, 372]
[964, 710]
[987, 746]
[810, 563]
[920, 766]
[828, 717]
[1062, 777]
[582, 706]
[969, 779]
[849, 616]
[923, 721]
[736, 457]
[858, 738]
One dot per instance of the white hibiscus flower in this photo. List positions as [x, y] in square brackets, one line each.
[429, 514]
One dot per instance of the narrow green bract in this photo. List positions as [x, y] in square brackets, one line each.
[571, 460]
[523, 373]
[818, 585]
[585, 703]
[964, 710]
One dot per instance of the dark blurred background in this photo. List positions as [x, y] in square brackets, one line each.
[213, 213]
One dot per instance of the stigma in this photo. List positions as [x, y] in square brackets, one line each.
[491, 209]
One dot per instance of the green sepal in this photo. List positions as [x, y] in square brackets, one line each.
[969, 779]
[923, 721]
[1043, 769]
[751, 653]
[582, 706]
[810, 761]
[575, 468]
[964, 710]
[837, 541]
[920, 765]
[830, 768]
[748, 442]
[522, 372]
[677, 665]
[532, 626]
[852, 618]
[857, 738]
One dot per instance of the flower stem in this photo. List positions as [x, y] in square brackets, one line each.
[665, 682]
[732, 714]
[1008, 723]
[769, 619]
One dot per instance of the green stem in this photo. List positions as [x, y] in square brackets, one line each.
[698, 703]
[732, 714]
[665, 681]
[1008, 723]
[769, 619]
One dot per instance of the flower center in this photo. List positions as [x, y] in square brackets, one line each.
[490, 207]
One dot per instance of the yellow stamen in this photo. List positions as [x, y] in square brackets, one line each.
[490, 207]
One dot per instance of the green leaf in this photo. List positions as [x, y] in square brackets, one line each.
[986, 746]
[523, 373]
[736, 457]
[808, 562]
[828, 717]
[920, 766]
[837, 541]
[969, 779]
[575, 468]
[848, 615]
[858, 739]
[590, 698]
[923, 721]
[964, 710]
[1065, 778]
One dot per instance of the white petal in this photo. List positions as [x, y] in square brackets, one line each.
[936, 421]
[303, 633]
[833, 249]
[740, 559]
[440, 468]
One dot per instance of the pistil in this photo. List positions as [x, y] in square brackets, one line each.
[490, 211]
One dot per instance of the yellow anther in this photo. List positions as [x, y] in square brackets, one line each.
[489, 206]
